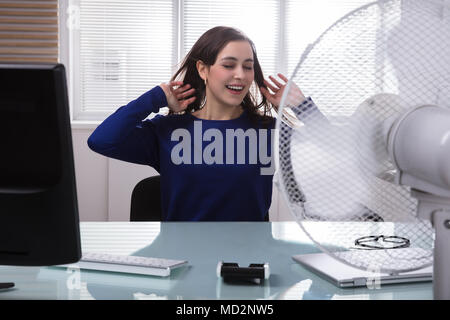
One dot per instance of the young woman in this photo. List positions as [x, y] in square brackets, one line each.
[213, 151]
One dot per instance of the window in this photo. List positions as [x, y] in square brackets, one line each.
[121, 48]
[259, 20]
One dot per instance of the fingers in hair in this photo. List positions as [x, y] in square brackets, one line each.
[275, 81]
[270, 86]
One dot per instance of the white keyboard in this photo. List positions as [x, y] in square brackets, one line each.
[128, 264]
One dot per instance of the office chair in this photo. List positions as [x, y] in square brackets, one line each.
[146, 200]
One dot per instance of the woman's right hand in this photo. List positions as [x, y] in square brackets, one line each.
[178, 96]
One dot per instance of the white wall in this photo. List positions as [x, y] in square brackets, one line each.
[104, 185]
[92, 179]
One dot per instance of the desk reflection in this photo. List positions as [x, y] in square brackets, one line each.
[204, 244]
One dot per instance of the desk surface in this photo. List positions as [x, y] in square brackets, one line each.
[203, 244]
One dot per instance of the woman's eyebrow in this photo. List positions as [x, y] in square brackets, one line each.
[235, 59]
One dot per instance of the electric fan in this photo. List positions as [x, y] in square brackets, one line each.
[371, 164]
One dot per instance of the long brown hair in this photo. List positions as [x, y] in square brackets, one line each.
[206, 50]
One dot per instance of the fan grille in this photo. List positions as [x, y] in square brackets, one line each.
[369, 67]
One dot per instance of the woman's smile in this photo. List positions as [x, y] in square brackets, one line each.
[235, 89]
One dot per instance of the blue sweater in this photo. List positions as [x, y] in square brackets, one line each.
[210, 169]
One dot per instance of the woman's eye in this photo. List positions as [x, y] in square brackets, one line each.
[231, 67]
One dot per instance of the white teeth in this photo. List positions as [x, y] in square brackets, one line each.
[235, 87]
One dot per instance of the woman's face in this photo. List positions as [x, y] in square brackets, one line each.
[230, 77]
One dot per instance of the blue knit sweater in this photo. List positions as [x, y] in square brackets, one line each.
[211, 170]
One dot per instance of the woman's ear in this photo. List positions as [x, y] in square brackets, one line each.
[202, 69]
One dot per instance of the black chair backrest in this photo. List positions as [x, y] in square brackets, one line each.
[146, 200]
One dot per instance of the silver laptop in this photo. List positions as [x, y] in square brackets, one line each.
[345, 276]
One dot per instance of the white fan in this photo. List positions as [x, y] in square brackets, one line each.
[372, 167]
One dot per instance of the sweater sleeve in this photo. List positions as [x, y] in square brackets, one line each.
[125, 135]
[307, 112]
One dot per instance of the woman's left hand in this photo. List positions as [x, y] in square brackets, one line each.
[295, 97]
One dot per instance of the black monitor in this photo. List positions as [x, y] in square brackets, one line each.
[39, 224]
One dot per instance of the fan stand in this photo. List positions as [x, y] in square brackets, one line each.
[436, 209]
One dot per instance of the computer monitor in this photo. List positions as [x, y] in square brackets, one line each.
[39, 222]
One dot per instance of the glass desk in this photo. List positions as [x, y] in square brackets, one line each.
[203, 244]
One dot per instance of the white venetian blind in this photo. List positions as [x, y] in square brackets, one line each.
[259, 20]
[28, 31]
[126, 47]
[306, 20]
[344, 48]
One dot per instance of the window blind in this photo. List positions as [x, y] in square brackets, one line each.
[122, 48]
[28, 31]
[126, 47]
[306, 22]
[259, 20]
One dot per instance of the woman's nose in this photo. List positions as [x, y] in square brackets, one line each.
[239, 73]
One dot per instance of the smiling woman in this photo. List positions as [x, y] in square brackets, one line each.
[213, 151]
[228, 80]
[223, 68]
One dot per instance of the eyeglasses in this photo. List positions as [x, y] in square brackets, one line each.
[387, 242]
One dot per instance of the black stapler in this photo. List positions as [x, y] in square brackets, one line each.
[232, 272]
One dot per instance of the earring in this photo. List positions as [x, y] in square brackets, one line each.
[206, 82]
